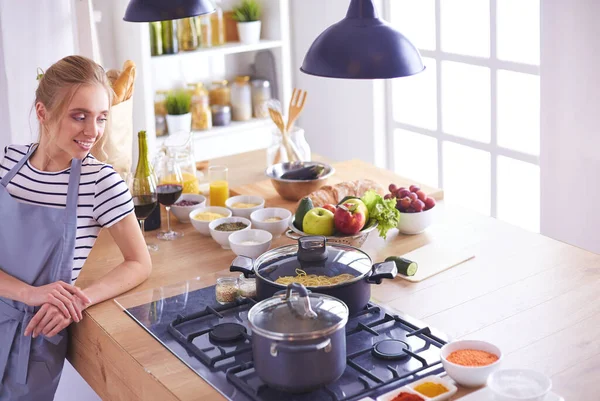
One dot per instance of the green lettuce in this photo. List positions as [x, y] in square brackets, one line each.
[382, 210]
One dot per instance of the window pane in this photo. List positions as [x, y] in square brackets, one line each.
[466, 27]
[466, 100]
[519, 111]
[416, 157]
[416, 20]
[467, 177]
[414, 99]
[518, 31]
[519, 193]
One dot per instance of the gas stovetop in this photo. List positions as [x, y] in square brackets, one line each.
[385, 350]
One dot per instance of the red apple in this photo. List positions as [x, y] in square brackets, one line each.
[329, 207]
[349, 219]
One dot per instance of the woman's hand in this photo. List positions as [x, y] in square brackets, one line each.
[67, 298]
[48, 321]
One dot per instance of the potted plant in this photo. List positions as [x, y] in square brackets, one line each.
[179, 117]
[247, 15]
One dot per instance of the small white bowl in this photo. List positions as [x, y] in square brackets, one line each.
[182, 213]
[202, 226]
[507, 383]
[276, 228]
[470, 376]
[261, 238]
[222, 237]
[415, 223]
[245, 212]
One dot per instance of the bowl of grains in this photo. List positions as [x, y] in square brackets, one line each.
[221, 229]
[185, 204]
[250, 243]
[470, 362]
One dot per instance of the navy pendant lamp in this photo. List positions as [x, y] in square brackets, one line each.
[362, 46]
[162, 10]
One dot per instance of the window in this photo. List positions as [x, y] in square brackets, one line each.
[470, 123]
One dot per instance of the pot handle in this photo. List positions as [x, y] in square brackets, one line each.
[294, 349]
[306, 310]
[382, 270]
[291, 235]
[242, 264]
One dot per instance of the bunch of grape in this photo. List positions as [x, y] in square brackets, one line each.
[411, 200]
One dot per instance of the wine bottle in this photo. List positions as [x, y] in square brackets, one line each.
[145, 175]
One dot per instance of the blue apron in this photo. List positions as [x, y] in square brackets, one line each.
[37, 245]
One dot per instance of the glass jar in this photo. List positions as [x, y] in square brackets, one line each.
[160, 111]
[219, 93]
[187, 34]
[261, 94]
[221, 115]
[241, 99]
[201, 113]
[156, 45]
[217, 24]
[205, 31]
[169, 37]
[246, 287]
[276, 151]
[180, 146]
[226, 290]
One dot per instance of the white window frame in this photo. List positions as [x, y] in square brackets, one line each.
[494, 64]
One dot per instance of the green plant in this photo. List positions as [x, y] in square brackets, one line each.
[178, 102]
[248, 11]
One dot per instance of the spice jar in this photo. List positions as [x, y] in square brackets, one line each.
[241, 99]
[187, 34]
[201, 113]
[261, 94]
[219, 93]
[221, 115]
[246, 287]
[226, 290]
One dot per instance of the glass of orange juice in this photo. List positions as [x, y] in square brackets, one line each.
[219, 187]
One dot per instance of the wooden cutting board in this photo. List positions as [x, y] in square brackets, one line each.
[435, 258]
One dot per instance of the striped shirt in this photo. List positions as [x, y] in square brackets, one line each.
[104, 198]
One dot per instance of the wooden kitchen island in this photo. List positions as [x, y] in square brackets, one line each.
[536, 298]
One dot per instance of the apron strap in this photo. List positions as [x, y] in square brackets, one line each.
[13, 171]
[73, 190]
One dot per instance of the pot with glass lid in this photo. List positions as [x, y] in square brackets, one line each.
[341, 271]
[299, 339]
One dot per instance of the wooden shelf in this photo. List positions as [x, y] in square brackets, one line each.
[228, 48]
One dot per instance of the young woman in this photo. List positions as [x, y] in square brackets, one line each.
[54, 200]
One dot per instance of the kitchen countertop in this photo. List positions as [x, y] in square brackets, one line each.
[534, 297]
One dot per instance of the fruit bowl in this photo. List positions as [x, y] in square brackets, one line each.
[353, 240]
[295, 189]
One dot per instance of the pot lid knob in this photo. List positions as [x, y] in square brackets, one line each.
[312, 249]
[306, 311]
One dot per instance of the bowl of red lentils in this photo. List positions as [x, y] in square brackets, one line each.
[470, 362]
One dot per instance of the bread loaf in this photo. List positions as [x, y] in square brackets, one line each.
[334, 194]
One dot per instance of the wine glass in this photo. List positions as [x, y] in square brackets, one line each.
[143, 192]
[169, 190]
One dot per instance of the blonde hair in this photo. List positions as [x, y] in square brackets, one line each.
[58, 85]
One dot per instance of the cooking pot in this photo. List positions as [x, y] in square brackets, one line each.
[299, 339]
[313, 256]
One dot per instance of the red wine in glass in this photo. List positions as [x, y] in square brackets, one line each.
[169, 193]
[144, 205]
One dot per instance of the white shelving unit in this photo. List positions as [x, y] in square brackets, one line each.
[206, 65]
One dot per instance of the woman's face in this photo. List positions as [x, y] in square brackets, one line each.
[83, 123]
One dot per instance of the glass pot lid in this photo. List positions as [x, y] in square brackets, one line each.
[321, 263]
[298, 314]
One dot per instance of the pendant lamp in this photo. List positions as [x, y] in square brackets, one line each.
[162, 10]
[362, 46]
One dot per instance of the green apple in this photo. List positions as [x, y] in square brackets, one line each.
[318, 221]
[360, 207]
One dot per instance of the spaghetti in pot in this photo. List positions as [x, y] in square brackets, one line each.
[313, 280]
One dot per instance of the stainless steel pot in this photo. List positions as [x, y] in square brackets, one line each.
[299, 339]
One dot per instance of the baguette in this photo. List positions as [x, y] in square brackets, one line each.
[112, 76]
[121, 85]
[131, 84]
[334, 194]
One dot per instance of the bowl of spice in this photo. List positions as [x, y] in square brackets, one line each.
[201, 217]
[251, 243]
[401, 394]
[430, 388]
[185, 204]
[470, 362]
[221, 229]
[244, 205]
[272, 219]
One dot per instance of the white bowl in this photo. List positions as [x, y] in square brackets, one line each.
[470, 376]
[222, 237]
[415, 223]
[410, 388]
[276, 228]
[202, 226]
[519, 385]
[261, 238]
[245, 212]
[183, 212]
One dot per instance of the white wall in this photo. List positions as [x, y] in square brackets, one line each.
[570, 121]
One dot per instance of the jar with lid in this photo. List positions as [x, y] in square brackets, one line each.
[219, 93]
[160, 111]
[261, 94]
[203, 22]
[246, 287]
[241, 99]
[221, 115]
[217, 23]
[187, 34]
[201, 113]
[226, 290]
